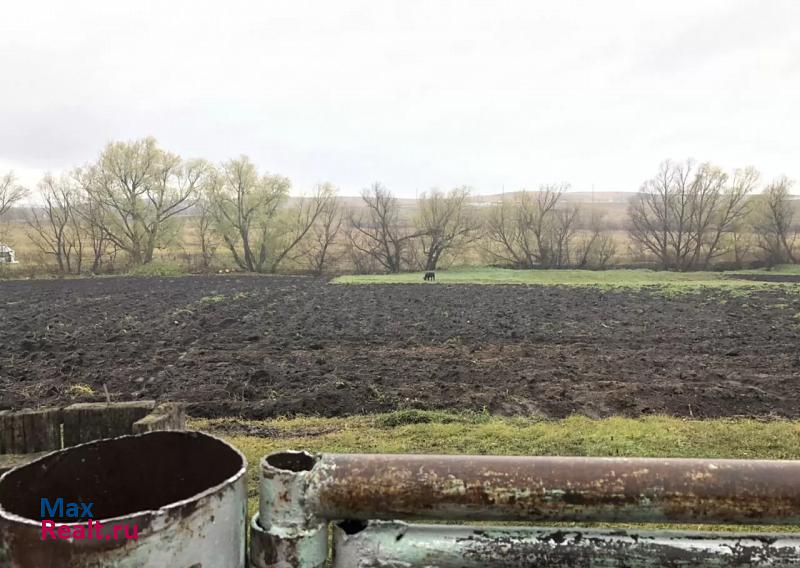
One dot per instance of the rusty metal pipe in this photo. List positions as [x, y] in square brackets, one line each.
[422, 546]
[345, 486]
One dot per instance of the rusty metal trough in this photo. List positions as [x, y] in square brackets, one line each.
[183, 491]
[301, 493]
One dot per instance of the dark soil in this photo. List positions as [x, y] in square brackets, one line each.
[267, 346]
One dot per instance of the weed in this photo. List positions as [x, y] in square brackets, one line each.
[159, 268]
[208, 300]
[80, 389]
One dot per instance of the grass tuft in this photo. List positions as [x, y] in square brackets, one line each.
[80, 389]
[405, 417]
[207, 300]
[159, 268]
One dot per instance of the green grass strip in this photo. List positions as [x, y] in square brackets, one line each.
[622, 278]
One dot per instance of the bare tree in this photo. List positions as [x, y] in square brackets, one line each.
[297, 222]
[361, 262]
[504, 237]
[10, 192]
[775, 227]
[377, 233]
[142, 188]
[532, 230]
[564, 229]
[204, 224]
[93, 220]
[660, 214]
[445, 223]
[596, 248]
[318, 248]
[728, 209]
[681, 215]
[245, 204]
[741, 241]
[54, 228]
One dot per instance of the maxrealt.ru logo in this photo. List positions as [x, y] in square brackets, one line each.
[79, 512]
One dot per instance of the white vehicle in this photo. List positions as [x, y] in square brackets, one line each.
[7, 255]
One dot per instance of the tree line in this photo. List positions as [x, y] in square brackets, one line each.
[689, 215]
[137, 198]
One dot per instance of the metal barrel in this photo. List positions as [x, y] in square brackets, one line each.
[158, 499]
[395, 487]
[382, 543]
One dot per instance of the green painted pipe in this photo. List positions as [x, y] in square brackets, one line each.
[395, 544]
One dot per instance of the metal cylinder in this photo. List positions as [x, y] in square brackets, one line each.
[285, 534]
[344, 486]
[288, 548]
[284, 481]
[422, 546]
[181, 494]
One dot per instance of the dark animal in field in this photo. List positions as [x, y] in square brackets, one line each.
[430, 275]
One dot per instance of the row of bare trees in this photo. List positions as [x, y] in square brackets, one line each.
[537, 229]
[378, 239]
[689, 215]
[127, 201]
[137, 198]
[529, 229]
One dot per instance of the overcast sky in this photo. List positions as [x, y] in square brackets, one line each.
[416, 94]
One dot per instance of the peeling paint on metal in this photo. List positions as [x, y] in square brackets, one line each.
[286, 533]
[359, 488]
[551, 488]
[400, 545]
[288, 548]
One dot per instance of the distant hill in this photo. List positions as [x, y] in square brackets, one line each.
[621, 197]
[611, 206]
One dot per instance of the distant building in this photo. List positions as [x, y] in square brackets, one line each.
[7, 255]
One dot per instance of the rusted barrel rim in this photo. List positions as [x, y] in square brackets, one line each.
[13, 517]
[291, 462]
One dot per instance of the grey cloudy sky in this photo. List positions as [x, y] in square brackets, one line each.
[414, 93]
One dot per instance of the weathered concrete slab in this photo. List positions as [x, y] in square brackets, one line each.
[10, 461]
[86, 422]
[28, 431]
[166, 416]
